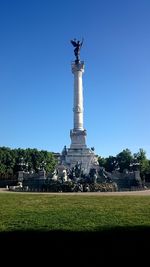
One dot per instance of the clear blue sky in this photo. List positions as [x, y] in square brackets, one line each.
[36, 83]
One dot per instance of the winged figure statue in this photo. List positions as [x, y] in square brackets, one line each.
[77, 45]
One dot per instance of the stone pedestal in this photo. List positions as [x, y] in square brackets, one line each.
[78, 139]
[85, 156]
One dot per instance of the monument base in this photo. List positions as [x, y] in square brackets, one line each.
[84, 156]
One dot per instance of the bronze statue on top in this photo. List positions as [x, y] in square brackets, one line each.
[77, 45]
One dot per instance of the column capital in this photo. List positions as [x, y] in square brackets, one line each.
[77, 66]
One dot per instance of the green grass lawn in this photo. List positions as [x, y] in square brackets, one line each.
[72, 212]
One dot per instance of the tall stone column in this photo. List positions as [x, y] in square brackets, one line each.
[78, 133]
[78, 70]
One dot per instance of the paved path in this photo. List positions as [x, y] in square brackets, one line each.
[123, 193]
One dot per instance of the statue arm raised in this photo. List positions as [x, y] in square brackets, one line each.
[82, 42]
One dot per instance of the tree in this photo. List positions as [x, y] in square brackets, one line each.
[124, 159]
[11, 159]
[102, 162]
[144, 163]
[110, 163]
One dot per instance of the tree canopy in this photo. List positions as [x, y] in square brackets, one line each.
[127, 160]
[12, 160]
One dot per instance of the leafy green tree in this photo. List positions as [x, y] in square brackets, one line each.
[144, 163]
[124, 159]
[102, 162]
[110, 163]
[11, 160]
[50, 161]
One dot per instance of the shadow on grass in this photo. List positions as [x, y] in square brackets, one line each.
[106, 244]
[67, 238]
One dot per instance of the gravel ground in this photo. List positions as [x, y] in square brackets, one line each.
[123, 193]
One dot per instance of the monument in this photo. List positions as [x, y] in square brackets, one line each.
[78, 153]
[78, 169]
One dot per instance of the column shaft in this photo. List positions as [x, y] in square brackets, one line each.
[78, 96]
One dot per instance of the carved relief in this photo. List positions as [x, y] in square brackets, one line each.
[77, 109]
